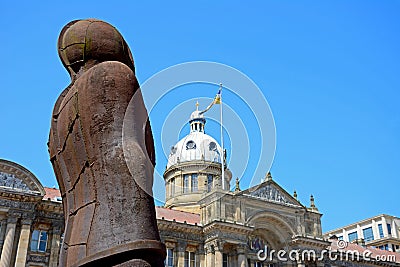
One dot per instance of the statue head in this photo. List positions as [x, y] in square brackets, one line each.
[84, 43]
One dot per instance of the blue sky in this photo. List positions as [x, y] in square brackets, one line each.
[328, 69]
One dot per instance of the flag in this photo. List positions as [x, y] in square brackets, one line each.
[217, 98]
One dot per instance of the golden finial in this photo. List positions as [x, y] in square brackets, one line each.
[197, 105]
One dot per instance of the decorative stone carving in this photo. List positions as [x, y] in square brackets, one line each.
[17, 205]
[272, 194]
[9, 180]
[101, 148]
[38, 258]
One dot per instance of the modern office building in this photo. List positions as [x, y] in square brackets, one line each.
[382, 231]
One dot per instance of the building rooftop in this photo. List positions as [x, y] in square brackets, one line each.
[52, 194]
[162, 213]
[177, 215]
[370, 252]
[364, 221]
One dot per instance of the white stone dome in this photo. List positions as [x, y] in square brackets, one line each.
[195, 146]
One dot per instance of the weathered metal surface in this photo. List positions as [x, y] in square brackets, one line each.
[110, 217]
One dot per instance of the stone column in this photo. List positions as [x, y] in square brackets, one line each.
[242, 259]
[384, 227]
[218, 256]
[394, 229]
[8, 242]
[375, 229]
[55, 245]
[359, 232]
[209, 251]
[181, 254]
[300, 263]
[200, 261]
[23, 243]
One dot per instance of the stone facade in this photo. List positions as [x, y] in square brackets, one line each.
[202, 224]
[230, 228]
[31, 219]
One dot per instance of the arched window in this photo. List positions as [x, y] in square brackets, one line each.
[39, 241]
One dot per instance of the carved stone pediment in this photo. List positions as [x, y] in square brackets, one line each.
[15, 177]
[10, 181]
[272, 193]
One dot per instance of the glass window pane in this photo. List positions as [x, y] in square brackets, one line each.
[42, 246]
[368, 234]
[170, 257]
[380, 230]
[34, 245]
[194, 182]
[353, 236]
[185, 183]
[389, 229]
[209, 182]
[43, 241]
[43, 236]
[35, 240]
[186, 259]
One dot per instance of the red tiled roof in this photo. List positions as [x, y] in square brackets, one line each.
[162, 213]
[374, 252]
[51, 193]
[177, 215]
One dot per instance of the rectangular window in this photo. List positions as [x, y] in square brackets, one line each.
[209, 182]
[224, 260]
[380, 228]
[368, 234]
[353, 236]
[185, 183]
[389, 229]
[169, 261]
[194, 182]
[39, 241]
[190, 259]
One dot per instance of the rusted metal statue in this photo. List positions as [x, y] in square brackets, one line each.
[102, 151]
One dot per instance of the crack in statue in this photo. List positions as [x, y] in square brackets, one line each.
[101, 148]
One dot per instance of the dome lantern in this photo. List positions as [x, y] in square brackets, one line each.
[197, 120]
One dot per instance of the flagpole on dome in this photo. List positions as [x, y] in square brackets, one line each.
[218, 100]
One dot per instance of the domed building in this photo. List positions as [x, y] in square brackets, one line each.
[194, 167]
[202, 224]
